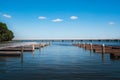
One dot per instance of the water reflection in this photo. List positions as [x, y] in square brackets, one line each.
[39, 50]
[8, 65]
[32, 53]
[91, 52]
[60, 62]
[103, 57]
[22, 59]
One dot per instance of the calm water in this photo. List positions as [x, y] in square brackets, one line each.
[61, 61]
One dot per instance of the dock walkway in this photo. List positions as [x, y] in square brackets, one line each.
[101, 48]
[17, 50]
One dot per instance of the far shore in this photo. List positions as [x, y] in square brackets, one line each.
[71, 39]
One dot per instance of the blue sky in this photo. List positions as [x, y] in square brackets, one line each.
[38, 19]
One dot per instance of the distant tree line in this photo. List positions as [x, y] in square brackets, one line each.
[5, 33]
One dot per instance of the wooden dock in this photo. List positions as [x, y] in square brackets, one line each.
[10, 53]
[38, 46]
[107, 51]
[18, 50]
[114, 51]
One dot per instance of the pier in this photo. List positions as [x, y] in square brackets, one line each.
[18, 50]
[10, 53]
[113, 50]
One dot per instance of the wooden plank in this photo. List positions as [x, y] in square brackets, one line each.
[10, 53]
[115, 54]
[108, 50]
[117, 47]
[94, 46]
[16, 49]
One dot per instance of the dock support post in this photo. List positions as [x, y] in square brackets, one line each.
[33, 47]
[84, 45]
[103, 51]
[49, 43]
[103, 57]
[103, 48]
[90, 46]
[22, 50]
[39, 45]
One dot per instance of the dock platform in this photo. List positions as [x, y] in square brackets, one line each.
[10, 53]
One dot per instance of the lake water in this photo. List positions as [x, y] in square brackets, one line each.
[61, 61]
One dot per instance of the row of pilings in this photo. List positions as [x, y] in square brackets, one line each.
[97, 48]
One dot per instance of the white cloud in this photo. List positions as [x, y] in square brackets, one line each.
[111, 23]
[57, 20]
[7, 16]
[73, 17]
[42, 17]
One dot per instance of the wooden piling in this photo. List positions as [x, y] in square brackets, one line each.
[22, 50]
[103, 48]
[84, 45]
[39, 46]
[91, 46]
[33, 47]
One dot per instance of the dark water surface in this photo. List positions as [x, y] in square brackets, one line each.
[60, 61]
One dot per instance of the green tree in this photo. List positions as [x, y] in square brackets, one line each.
[5, 33]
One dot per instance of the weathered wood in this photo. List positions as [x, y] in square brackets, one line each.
[115, 54]
[114, 51]
[92, 46]
[38, 46]
[10, 53]
[26, 47]
[108, 50]
[117, 47]
[17, 49]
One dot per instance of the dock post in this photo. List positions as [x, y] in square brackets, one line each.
[84, 45]
[49, 43]
[103, 48]
[103, 57]
[22, 50]
[39, 45]
[103, 51]
[90, 46]
[33, 47]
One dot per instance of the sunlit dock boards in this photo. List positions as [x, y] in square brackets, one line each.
[38, 46]
[18, 50]
[25, 47]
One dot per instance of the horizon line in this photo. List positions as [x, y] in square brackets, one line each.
[67, 39]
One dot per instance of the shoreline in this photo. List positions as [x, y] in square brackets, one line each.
[71, 39]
